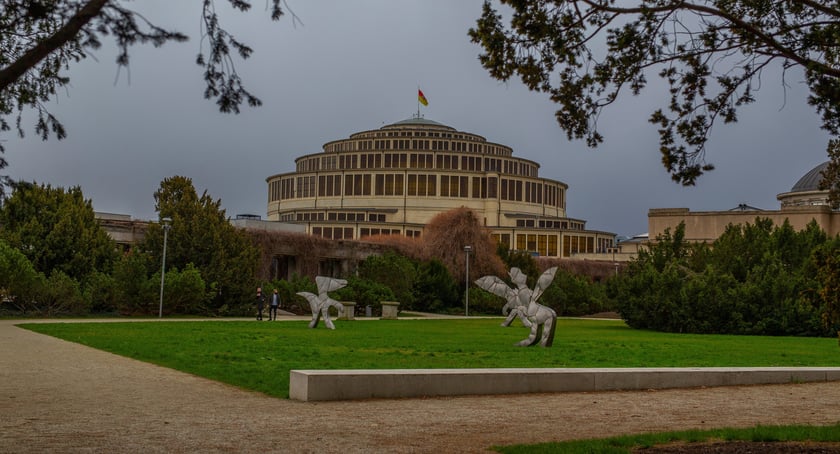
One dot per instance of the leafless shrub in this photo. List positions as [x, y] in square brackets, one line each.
[446, 235]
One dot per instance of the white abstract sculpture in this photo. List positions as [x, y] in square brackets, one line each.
[517, 299]
[320, 303]
[522, 302]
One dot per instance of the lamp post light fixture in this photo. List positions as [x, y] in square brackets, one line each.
[467, 250]
[165, 224]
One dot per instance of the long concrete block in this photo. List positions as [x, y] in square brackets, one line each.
[320, 385]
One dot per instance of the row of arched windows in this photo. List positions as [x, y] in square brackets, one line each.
[443, 161]
[419, 185]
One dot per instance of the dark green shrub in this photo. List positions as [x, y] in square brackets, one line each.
[17, 279]
[396, 272]
[435, 289]
[522, 260]
[184, 292]
[483, 303]
[101, 293]
[755, 279]
[365, 292]
[574, 296]
[137, 294]
[58, 295]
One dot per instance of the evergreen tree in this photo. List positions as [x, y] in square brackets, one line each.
[136, 292]
[56, 230]
[17, 277]
[41, 38]
[827, 259]
[586, 54]
[201, 235]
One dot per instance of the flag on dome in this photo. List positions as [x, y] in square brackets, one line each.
[422, 98]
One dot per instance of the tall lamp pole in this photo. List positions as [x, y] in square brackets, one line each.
[467, 250]
[165, 224]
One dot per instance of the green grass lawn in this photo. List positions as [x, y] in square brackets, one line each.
[626, 444]
[258, 355]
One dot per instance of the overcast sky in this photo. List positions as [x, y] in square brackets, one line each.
[356, 66]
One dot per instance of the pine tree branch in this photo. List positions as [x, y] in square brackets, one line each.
[70, 30]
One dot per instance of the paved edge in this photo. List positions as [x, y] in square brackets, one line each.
[325, 385]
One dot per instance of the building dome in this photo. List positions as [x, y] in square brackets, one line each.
[806, 191]
[418, 121]
[811, 180]
[395, 179]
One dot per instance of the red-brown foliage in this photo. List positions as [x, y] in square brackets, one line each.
[446, 235]
[409, 247]
[443, 239]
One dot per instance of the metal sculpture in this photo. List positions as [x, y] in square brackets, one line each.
[320, 303]
[522, 302]
[517, 299]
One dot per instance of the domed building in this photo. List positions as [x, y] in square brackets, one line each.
[806, 191]
[395, 179]
[804, 203]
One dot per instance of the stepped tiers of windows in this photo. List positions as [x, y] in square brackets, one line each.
[395, 179]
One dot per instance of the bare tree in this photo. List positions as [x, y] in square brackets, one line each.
[446, 235]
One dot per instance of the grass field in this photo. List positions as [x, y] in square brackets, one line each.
[626, 444]
[258, 355]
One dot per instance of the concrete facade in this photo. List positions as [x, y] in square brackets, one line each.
[322, 385]
[268, 226]
[125, 231]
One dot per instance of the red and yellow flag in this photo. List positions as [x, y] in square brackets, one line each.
[422, 98]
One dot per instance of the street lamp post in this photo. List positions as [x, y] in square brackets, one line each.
[615, 262]
[165, 224]
[467, 250]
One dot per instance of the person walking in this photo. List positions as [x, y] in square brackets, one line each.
[275, 303]
[260, 303]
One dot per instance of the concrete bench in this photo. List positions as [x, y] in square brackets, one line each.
[320, 385]
[349, 312]
[390, 310]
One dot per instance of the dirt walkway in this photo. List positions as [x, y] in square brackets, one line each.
[57, 396]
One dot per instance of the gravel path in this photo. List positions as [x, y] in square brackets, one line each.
[57, 396]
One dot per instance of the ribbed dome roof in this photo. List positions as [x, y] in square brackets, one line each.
[418, 122]
[811, 180]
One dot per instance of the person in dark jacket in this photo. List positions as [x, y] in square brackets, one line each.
[260, 303]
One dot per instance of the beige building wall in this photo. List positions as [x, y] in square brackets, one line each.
[121, 228]
[804, 203]
[707, 226]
